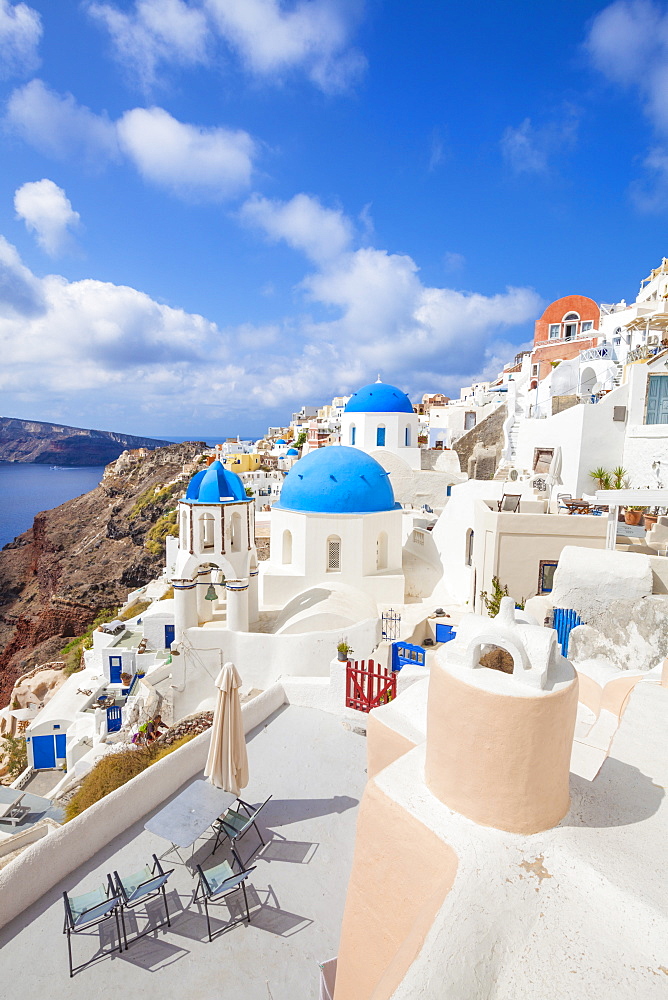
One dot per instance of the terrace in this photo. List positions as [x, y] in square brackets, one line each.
[315, 771]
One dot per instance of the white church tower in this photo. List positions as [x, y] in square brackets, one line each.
[380, 418]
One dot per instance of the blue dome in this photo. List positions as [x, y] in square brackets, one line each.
[215, 485]
[337, 480]
[281, 441]
[292, 451]
[379, 398]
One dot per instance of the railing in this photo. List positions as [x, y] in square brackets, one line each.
[368, 685]
[602, 353]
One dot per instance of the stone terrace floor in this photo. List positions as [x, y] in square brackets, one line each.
[315, 770]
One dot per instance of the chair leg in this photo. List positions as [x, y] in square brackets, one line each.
[164, 899]
[125, 935]
[208, 922]
[257, 830]
[69, 952]
[243, 886]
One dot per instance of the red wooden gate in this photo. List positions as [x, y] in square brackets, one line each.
[369, 685]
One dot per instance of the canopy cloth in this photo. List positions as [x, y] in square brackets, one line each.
[227, 763]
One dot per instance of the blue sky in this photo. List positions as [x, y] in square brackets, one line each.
[212, 211]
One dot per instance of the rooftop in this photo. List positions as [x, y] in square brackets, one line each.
[297, 895]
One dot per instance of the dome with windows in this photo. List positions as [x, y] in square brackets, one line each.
[337, 480]
[379, 397]
[216, 485]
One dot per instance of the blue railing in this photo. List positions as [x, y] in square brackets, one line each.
[564, 621]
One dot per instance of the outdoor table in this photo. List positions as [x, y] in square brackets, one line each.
[577, 506]
[183, 820]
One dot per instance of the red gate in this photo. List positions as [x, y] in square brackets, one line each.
[369, 685]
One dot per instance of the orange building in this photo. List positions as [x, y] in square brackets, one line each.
[567, 326]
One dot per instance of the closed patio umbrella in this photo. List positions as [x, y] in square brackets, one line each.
[227, 763]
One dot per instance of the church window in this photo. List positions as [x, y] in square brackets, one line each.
[235, 532]
[407, 437]
[206, 531]
[287, 548]
[184, 529]
[380, 436]
[381, 551]
[333, 554]
[353, 433]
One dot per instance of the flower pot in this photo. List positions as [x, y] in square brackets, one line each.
[633, 516]
[650, 521]
[342, 656]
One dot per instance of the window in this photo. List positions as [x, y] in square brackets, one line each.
[554, 330]
[469, 421]
[569, 317]
[206, 531]
[287, 548]
[535, 369]
[184, 529]
[546, 576]
[587, 324]
[353, 431]
[380, 436]
[469, 547]
[407, 437]
[542, 459]
[333, 554]
[381, 551]
[235, 532]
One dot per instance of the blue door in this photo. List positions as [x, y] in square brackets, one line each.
[564, 621]
[113, 719]
[444, 633]
[43, 752]
[169, 636]
[115, 668]
[657, 400]
[61, 743]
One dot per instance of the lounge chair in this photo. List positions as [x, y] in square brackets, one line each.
[11, 810]
[235, 824]
[218, 882]
[510, 502]
[134, 890]
[86, 911]
[561, 505]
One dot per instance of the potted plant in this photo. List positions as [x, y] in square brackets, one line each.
[633, 515]
[344, 650]
[651, 517]
[126, 678]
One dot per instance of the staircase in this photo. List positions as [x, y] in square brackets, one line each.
[511, 427]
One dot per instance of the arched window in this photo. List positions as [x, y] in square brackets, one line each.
[353, 431]
[333, 554]
[570, 324]
[206, 531]
[381, 551]
[407, 437]
[287, 548]
[235, 532]
[184, 529]
[380, 436]
[469, 547]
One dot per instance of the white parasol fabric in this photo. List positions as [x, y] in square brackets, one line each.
[227, 763]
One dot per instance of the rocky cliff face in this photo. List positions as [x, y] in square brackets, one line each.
[85, 555]
[55, 444]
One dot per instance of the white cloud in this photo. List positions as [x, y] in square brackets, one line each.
[190, 161]
[156, 32]
[20, 33]
[529, 149]
[272, 37]
[186, 159]
[47, 212]
[56, 125]
[365, 310]
[321, 233]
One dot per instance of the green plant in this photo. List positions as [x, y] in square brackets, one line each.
[343, 647]
[620, 479]
[151, 497]
[133, 610]
[112, 771]
[629, 507]
[301, 440]
[602, 477]
[15, 752]
[493, 603]
[249, 492]
[72, 651]
[164, 526]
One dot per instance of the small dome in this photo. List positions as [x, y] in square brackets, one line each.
[281, 441]
[379, 398]
[292, 451]
[337, 480]
[215, 485]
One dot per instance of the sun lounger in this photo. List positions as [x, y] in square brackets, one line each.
[11, 810]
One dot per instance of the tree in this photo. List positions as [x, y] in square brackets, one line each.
[301, 440]
[493, 603]
[249, 492]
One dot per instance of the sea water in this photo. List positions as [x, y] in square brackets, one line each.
[27, 489]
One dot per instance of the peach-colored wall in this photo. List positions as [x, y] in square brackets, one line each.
[613, 696]
[401, 874]
[383, 745]
[501, 760]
